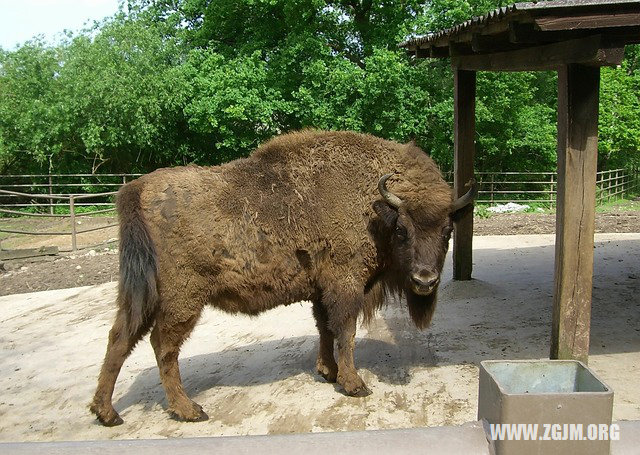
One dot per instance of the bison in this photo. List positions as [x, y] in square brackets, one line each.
[337, 218]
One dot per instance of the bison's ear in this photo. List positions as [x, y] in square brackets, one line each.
[387, 214]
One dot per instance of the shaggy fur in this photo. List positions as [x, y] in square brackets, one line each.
[300, 219]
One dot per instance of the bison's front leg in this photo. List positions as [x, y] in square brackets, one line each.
[326, 363]
[347, 375]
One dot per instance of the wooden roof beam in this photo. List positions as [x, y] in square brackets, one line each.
[520, 33]
[528, 34]
[439, 52]
[423, 53]
[483, 44]
[591, 21]
[456, 49]
[592, 50]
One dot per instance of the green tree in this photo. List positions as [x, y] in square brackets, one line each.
[516, 128]
[177, 81]
[28, 87]
[619, 116]
[231, 102]
[120, 104]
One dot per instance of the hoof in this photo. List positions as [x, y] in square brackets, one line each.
[360, 392]
[112, 419]
[114, 422]
[197, 417]
[354, 386]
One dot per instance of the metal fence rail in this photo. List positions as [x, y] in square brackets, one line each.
[72, 198]
[542, 187]
[58, 188]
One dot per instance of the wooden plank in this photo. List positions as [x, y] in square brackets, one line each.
[484, 44]
[590, 21]
[589, 51]
[439, 52]
[6, 255]
[527, 34]
[460, 48]
[578, 88]
[464, 150]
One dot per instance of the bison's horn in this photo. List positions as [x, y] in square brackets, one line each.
[468, 197]
[388, 196]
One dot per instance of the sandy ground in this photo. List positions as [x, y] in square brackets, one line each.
[255, 375]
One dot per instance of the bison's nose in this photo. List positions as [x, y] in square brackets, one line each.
[424, 283]
[428, 281]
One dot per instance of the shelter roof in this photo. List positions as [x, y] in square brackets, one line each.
[606, 24]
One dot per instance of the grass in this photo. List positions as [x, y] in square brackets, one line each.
[624, 204]
[627, 204]
[481, 211]
[64, 210]
[540, 207]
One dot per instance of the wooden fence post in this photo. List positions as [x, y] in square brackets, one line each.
[492, 187]
[72, 213]
[50, 193]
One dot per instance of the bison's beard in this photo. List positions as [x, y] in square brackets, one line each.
[421, 307]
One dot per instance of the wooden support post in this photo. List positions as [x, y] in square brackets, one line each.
[464, 145]
[578, 88]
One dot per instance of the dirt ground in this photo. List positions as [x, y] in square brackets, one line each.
[256, 375]
[97, 261]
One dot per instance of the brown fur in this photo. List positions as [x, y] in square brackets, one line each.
[300, 219]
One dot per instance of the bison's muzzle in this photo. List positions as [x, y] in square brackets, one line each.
[424, 283]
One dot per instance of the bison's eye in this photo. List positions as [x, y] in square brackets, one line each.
[401, 232]
[446, 232]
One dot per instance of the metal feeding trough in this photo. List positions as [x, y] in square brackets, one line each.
[544, 407]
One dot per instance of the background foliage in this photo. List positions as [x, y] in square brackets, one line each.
[169, 82]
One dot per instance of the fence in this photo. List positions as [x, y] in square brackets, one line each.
[31, 186]
[34, 196]
[88, 190]
[542, 187]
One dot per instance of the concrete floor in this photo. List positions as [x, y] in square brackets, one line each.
[254, 376]
[464, 439]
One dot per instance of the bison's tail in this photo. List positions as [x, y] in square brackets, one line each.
[137, 292]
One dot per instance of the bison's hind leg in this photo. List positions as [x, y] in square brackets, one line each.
[167, 337]
[119, 346]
